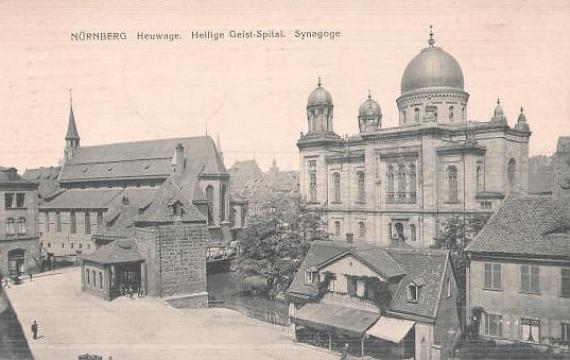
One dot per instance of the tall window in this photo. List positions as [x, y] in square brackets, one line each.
[452, 184]
[417, 115]
[332, 282]
[94, 277]
[565, 331]
[451, 113]
[22, 225]
[8, 200]
[361, 187]
[361, 230]
[20, 200]
[530, 330]
[223, 203]
[463, 113]
[99, 219]
[413, 234]
[390, 183]
[401, 183]
[390, 234]
[530, 279]
[87, 223]
[336, 187]
[413, 183]
[337, 231]
[565, 282]
[46, 217]
[101, 280]
[493, 325]
[58, 221]
[512, 172]
[492, 276]
[87, 277]
[72, 223]
[210, 198]
[313, 180]
[10, 227]
[413, 293]
[480, 179]
[404, 117]
[400, 231]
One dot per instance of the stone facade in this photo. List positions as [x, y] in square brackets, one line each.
[403, 182]
[19, 233]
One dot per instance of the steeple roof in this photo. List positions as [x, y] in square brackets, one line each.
[72, 133]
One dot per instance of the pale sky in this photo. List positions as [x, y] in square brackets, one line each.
[252, 92]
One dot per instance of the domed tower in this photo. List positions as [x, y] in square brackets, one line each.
[320, 111]
[432, 88]
[369, 115]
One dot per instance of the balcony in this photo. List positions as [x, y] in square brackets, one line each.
[350, 301]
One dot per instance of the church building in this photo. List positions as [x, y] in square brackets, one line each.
[401, 183]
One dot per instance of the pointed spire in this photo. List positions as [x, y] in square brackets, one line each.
[431, 40]
[218, 142]
[72, 133]
[522, 124]
[498, 115]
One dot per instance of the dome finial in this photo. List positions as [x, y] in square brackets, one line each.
[522, 110]
[369, 94]
[498, 101]
[319, 82]
[431, 41]
[70, 98]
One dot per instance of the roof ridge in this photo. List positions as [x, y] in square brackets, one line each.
[145, 141]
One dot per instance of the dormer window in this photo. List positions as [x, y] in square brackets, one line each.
[177, 210]
[413, 293]
[310, 277]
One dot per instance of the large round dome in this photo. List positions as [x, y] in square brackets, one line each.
[432, 67]
[320, 96]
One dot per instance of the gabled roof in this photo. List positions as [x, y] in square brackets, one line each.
[422, 267]
[530, 226]
[141, 159]
[119, 251]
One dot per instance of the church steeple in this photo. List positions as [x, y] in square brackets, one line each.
[72, 138]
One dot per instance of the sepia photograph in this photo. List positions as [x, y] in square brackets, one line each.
[275, 180]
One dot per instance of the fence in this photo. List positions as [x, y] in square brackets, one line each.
[270, 311]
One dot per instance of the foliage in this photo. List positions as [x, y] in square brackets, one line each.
[275, 244]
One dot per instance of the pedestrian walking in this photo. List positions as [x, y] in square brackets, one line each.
[35, 329]
[344, 352]
[31, 277]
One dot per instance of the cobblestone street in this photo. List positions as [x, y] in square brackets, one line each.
[72, 323]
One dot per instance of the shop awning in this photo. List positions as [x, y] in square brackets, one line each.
[391, 329]
[343, 319]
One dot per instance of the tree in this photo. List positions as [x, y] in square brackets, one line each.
[275, 244]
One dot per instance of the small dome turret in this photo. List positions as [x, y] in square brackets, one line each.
[522, 124]
[319, 96]
[369, 115]
[498, 115]
[320, 111]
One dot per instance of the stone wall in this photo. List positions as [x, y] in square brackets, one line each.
[175, 258]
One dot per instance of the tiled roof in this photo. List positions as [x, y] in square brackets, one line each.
[530, 225]
[403, 265]
[46, 177]
[9, 174]
[119, 251]
[82, 199]
[141, 159]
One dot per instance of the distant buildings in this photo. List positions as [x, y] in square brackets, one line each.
[518, 273]
[396, 303]
[540, 177]
[77, 198]
[401, 184]
[260, 189]
[19, 250]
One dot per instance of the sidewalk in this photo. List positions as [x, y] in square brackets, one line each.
[72, 323]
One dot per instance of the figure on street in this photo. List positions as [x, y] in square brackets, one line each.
[35, 329]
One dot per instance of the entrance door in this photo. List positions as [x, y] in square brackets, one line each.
[16, 261]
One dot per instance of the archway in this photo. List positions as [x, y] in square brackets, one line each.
[16, 261]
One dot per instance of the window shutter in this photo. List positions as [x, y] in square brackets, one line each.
[535, 279]
[351, 285]
[497, 276]
[525, 279]
[488, 276]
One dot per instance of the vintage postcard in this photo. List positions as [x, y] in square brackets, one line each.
[273, 179]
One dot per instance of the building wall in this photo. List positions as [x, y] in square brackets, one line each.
[65, 242]
[175, 258]
[447, 325]
[548, 306]
[424, 341]
[25, 238]
[99, 287]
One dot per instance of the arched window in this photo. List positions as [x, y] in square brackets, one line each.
[337, 228]
[404, 116]
[402, 183]
[400, 231]
[361, 187]
[210, 198]
[413, 183]
[512, 172]
[480, 180]
[361, 230]
[417, 115]
[57, 221]
[413, 232]
[87, 223]
[223, 203]
[452, 184]
[451, 109]
[100, 220]
[22, 225]
[10, 227]
[72, 222]
[336, 187]
[313, 180]
[87, 277]
[463, 113]
[390, 183]
[94, 277]
[101, 280]
[47, 221]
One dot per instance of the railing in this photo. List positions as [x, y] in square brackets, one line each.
[351, 301]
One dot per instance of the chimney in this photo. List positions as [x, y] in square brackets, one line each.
[561, 168]
[349, 238]
[178, 160]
